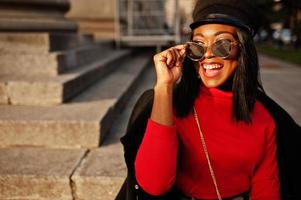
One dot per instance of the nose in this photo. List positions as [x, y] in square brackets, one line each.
[208, 53]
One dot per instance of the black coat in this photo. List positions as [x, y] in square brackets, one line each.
[288, 150]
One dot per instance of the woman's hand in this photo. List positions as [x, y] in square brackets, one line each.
[169, 65]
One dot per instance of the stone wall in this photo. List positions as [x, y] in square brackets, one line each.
[94, 16]
[91, 9]
[97, 16]
[35, 16]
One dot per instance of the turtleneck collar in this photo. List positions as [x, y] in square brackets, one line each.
[215, 92]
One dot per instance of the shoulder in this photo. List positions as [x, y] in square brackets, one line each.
[280, 116]
[262, 114]
[287, 130]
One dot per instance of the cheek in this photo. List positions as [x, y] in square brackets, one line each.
[233, 62]
[232, 66]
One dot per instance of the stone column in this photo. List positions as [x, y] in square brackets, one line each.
[35, 16]
[94, 16]
[37, 45]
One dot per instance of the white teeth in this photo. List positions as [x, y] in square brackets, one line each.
[212, 66]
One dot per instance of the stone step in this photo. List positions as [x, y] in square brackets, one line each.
[94, 174]
[44, 90]
[38, 173]
[52, 63]
[102, 172]
[83, 122]
[47, 174]
[11, 23]
[20, 42]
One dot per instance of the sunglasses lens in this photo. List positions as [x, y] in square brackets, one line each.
[195, 51]
[221, 48]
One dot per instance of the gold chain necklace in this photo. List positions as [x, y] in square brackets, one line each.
[207, 154]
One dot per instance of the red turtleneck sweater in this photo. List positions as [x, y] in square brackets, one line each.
[243, 156]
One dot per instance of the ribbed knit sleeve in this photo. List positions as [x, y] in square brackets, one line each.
[265, 182]
[156, 160]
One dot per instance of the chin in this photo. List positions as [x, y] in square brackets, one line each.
[212, 83]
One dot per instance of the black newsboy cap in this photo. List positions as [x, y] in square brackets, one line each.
[240, 13]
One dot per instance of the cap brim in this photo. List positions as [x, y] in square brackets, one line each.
[226, 21]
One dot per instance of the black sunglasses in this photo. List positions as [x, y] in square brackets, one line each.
[221, 48]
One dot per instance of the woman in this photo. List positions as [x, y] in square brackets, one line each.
[207, 130]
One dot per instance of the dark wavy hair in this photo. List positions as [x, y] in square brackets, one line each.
[245, 82]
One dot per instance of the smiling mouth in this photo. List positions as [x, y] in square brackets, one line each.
[211, 69]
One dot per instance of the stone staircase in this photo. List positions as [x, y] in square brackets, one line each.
[61, 96]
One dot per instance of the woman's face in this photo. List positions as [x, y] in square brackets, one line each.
[214, 71]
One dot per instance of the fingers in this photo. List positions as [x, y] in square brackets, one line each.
[178, 60]
[180, 51]
[172, 57]
[183, 52]
[175, 56]
[168, 64]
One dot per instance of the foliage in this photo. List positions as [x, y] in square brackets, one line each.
[290, 55]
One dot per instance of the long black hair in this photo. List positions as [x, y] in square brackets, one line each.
[245, 83]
